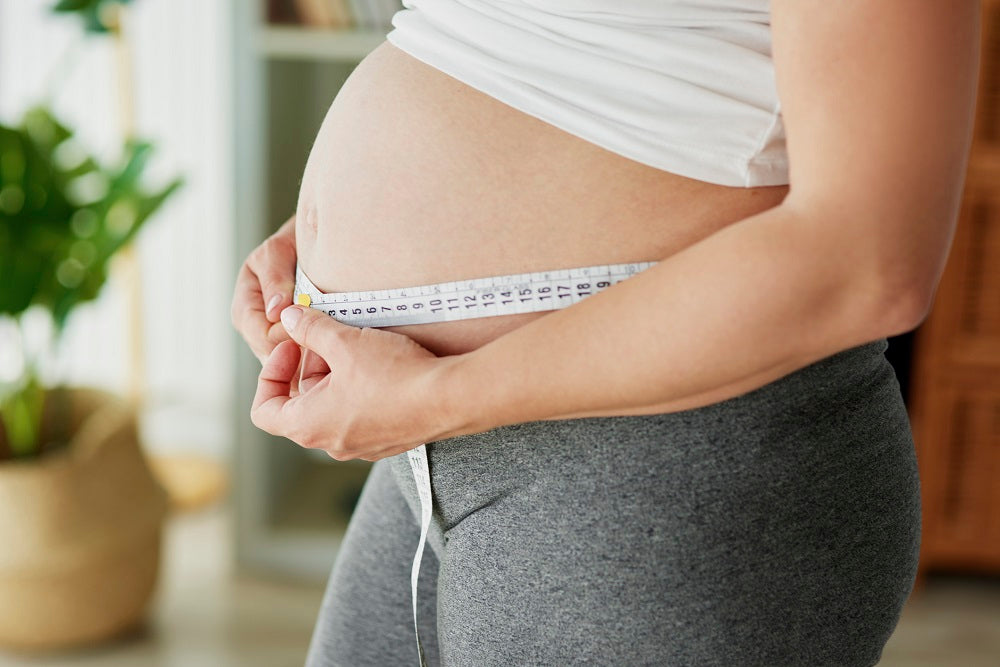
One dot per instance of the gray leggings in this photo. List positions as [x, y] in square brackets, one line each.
[780, 527]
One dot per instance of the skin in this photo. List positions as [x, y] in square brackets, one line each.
[463, 185]
[264, 286]
[878, 103]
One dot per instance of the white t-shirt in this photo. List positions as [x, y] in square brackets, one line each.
[683, 86]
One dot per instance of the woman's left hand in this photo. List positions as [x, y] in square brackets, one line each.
[363, 393]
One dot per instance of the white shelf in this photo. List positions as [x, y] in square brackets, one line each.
[317, 44]
[292, 505]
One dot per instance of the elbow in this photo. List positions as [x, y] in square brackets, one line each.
[897, 294]
[904, 312]
[902, 307]
[879, 304]
[882, 270]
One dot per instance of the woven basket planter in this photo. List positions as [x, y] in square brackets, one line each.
[80, 531]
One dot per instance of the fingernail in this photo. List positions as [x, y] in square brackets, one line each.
[290, 317]
[275, 300]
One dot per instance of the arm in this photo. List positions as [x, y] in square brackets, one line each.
[878, 101]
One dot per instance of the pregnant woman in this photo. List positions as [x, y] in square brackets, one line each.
[706, 463]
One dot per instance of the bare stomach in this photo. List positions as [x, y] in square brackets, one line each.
[417, 178]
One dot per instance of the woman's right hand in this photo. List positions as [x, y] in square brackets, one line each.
[264, 288]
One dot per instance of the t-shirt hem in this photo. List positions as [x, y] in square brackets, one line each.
[764, 172]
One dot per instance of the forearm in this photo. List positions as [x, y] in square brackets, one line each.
[741, 308]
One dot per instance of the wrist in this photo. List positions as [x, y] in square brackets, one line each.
[461, 403]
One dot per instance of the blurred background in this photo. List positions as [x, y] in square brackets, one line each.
[220, 553]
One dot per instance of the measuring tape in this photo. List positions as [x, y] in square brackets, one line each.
[458, 300]
[464, 299]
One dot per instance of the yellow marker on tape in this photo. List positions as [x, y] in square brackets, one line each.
[304, 300]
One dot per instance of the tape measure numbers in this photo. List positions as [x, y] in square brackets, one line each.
[457, 300]
[464, 299]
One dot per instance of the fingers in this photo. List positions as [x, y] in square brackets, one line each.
[314, 369]
[274, 387]
[276, 333]
[247, 314]
[317, 331]
[264, 286]
[273, 262]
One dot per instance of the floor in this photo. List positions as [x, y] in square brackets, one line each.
[204, 616]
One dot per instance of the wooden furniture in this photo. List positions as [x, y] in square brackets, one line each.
[955, 393]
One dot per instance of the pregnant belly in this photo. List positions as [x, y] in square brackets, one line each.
[417, 178]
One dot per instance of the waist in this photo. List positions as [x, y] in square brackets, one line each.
[490, 296]
[462, 185]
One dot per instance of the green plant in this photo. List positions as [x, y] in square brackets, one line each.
[63, 216]
[97, 15]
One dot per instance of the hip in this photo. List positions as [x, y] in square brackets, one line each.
[828, 443]
[777, 527]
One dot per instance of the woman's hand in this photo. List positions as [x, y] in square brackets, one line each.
[264, 287]
[364, 393]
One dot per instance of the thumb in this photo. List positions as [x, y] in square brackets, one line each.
[316, 331]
